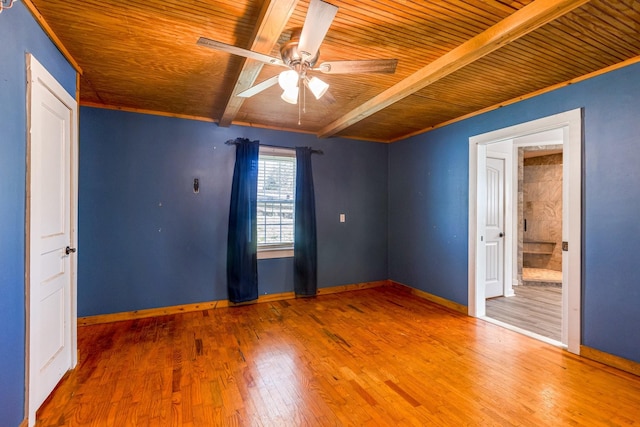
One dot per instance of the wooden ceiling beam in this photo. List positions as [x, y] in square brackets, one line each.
[520, 23]
[273, 18]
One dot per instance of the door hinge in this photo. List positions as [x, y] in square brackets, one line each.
[565, 246]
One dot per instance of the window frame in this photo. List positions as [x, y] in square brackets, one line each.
[268, 251]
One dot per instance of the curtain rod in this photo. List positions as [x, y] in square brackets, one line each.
[233, 142]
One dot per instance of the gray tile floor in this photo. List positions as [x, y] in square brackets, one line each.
[534, 308]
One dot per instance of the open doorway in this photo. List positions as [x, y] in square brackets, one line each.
[505, 144]
[535, 305]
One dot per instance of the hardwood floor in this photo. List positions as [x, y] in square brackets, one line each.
[374, 357]
[533, 308]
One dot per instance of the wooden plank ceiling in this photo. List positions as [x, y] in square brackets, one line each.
[455, 57]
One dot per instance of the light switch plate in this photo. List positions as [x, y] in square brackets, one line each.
[342, 218]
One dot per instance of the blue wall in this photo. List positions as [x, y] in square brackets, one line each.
[136, 254]
[19, 34]
[428, 178]
[146, 240]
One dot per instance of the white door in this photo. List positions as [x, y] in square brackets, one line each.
[51, 223]
[494, 226]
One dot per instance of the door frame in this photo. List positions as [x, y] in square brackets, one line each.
[571, 124]
[38, 74]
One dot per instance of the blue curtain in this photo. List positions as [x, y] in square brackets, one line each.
[305, 260]
[242, 245]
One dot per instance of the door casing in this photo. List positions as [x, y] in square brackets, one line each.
[570, 123]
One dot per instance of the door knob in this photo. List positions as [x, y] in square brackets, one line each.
[499, 235]
[69, 250]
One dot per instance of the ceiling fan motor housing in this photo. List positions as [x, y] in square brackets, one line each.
[296, 60]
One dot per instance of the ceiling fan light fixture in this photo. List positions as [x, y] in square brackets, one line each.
[300, 54]
[288, 79]
[290, 95]
[317, 87]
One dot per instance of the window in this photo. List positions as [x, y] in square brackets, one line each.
[276, 196]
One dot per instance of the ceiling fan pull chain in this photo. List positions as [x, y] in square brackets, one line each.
[304, 97]
[299, 107]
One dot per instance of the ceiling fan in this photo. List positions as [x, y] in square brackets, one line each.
[300, 55]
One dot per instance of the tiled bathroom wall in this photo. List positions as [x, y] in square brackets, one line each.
[542, 210]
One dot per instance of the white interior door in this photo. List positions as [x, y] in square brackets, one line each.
[51, 227]
[494, 228]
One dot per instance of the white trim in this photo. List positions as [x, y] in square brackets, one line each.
[277, 151]
[524, 332]
[571, 123]
[37, 74]
[274, 253]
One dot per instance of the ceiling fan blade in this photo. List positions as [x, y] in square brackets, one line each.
[316, 24]
[259, 87]
[359, 66]
[203, 41]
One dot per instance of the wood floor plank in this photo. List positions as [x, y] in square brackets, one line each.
[371, 357]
